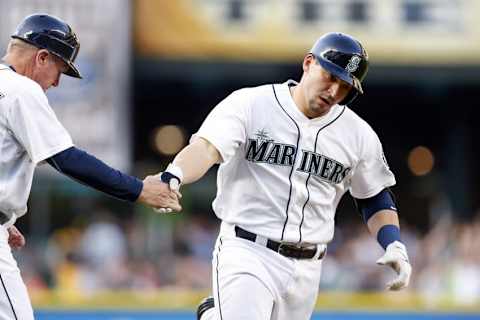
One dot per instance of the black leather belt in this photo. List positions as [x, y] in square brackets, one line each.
[287, 250]
[3, 218]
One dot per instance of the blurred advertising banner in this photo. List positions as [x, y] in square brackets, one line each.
[95, 109]
[394, 31]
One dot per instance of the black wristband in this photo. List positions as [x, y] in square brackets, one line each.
[167, 176]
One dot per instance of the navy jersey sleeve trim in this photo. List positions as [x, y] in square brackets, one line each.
[85, 168]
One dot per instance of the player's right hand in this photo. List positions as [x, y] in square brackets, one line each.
[158, 194]
[173, 184]
[172, 176]
[396, 257]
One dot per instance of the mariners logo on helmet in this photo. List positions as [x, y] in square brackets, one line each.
[352, 65]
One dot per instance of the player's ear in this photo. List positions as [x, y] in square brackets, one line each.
[308, 61]
[41, 57]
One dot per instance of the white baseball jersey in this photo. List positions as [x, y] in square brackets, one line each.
[29, 133]
[283, 174]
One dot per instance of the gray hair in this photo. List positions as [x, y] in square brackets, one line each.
[21, 45]
[19, 48]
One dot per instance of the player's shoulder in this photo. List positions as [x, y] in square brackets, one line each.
[356, 123]
[248, 97]
[357, 132]
[17, 85]
[251, 92]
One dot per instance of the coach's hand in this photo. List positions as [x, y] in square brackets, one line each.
[396, 257]
[16, 240]
[157, 194]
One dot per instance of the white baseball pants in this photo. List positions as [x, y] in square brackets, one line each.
[14, 300]
[253, 282]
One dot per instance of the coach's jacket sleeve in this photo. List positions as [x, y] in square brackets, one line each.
[225, 126]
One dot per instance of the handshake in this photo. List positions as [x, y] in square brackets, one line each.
[161, 191]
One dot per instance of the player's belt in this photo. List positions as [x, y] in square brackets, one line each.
[287, 250]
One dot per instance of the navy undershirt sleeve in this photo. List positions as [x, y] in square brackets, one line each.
[91, 171]
[369, 206]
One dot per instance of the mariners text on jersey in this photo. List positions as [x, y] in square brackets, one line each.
[271, 152]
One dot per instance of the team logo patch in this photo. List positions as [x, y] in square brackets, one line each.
[352, 65]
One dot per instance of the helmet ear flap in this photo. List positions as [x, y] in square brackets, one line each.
[352, 95]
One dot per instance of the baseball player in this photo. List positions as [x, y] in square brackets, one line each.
[41, 49]
[288, 152]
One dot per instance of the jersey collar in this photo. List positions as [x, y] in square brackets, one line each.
[5, 66]
[286, 99]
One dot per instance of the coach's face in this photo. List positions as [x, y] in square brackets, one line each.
[47, 69]
[322, 89]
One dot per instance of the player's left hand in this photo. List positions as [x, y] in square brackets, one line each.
[396, 257]
[16, 240]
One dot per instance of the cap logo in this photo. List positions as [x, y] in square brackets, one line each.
[352, 65]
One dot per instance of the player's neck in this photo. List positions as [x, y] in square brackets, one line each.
[299, 100]
[15, 64]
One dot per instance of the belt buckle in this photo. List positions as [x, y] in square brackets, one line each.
[281, 248]
[285, 248]
[297, 251]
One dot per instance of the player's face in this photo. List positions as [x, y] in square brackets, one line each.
[48, 69]
[322, 89]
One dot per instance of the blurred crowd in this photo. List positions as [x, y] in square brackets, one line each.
[445, 261]
[150, 252]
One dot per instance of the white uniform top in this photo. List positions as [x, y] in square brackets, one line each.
[29, 133]
[283, 174]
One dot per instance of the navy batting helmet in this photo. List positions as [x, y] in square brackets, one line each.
[48, 32]
[344, 57]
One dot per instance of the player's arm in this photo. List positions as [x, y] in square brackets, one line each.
[85, 168]
[380, 214]
[191, 163]
[196, 159]
[217, 140]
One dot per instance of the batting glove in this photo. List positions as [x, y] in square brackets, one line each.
[396, 257]
[172, 176]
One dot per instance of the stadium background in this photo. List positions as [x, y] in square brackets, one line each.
[153, 70]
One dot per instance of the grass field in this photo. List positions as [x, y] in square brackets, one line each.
[188, 315]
